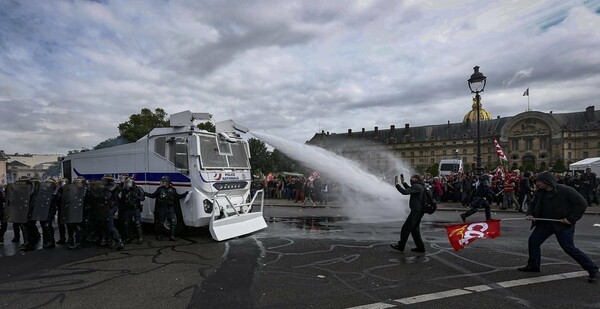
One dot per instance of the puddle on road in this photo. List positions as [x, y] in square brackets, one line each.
[311, 223]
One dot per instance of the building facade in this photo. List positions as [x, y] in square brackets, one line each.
[28, 165]
[531, 140]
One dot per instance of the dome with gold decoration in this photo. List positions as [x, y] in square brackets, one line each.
[472, 114]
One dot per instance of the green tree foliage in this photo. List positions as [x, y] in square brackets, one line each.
[559, 166]
[260, 157]
[142, 123]
[433, 170]
[208, 126]
[113, 141]
[282, 163]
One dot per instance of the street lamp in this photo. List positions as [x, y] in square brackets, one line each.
[477, 84]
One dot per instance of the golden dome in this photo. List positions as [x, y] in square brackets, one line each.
[472, 114]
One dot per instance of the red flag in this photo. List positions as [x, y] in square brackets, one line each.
[499, 151]
[463, 234]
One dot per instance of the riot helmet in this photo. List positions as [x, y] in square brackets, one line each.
[165, 181]
[128, 183]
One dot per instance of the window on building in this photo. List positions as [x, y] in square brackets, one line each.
[515, 144]
[464, 159]
[421, 153]
[464, 151]
[432, 160]
[528, 144]
[585, 154]
[569, 155]
[489, 159]
[585, 135]
[444, 152]
[569, 146]
[543, 143]
[403, 154]
[412, 162]
[412, 153]
[433, 153]
[585, 145]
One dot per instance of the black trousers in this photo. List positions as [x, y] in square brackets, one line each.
[411, 227]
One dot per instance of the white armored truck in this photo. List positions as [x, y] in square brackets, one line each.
[213, 167]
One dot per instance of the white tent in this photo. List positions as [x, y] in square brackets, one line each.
[593, 163]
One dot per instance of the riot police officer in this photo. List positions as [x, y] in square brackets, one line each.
[130, 208]
[63, 230]
[44, 199]
[80, 228]
[3, 223]
[111, 198]
[167, 199]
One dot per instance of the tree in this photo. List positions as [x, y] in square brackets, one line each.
[142, 123]
[282, 163]
[559, 166]
[433, 170]
[208, 126]
[260, 157]
[113, 141]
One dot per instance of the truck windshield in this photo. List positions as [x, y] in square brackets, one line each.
[210, 156]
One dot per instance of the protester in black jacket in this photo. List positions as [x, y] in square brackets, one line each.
[558, 202]
[416, 190]
[482, 196]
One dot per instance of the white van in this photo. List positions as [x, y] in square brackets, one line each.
[450, 166]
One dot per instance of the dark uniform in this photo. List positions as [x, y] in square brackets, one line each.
[411, 226]
[481, 198]
[164, 208]
[130, 208]
[80, 229]
[3, 224]
[111, 196]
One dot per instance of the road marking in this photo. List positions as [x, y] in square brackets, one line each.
[472, 289]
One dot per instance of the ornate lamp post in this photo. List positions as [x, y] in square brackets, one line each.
[477, 84]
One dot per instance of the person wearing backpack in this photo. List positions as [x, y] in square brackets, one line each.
[416, 191]
[481, 198]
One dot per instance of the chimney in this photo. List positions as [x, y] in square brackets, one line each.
[589, 114]
[327, 133]
[406, 126]
[349, 131]
[392, 128]
[376, 133]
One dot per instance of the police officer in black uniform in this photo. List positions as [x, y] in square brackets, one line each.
[3, 224]
[111, 195]
[130, 208]
[481, 198]
[164, 208]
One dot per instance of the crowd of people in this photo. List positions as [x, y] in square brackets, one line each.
[84, 211]
[299, 189]
[511, 189]
[553, 205]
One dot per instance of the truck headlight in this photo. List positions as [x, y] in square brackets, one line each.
[208, 206]
[230, 185]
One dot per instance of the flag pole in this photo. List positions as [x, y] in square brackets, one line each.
[528, 109]
[534, 219]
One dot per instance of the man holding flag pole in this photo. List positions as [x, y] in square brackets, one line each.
[554, 211]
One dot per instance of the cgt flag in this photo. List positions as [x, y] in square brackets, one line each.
[463, 234]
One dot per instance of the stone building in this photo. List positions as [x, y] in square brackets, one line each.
[531, 140]
[29, 165]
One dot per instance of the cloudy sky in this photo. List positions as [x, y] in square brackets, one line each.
[71, 71]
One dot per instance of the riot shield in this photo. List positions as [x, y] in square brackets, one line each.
[18, 197]
[100, 204]
[72, 203]
[41, 201]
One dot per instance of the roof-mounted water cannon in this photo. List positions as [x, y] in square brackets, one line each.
[186, 119]
[227, 130]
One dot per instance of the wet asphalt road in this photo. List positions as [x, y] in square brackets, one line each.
[306, 258]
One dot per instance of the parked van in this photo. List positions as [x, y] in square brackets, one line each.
[450, 166]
